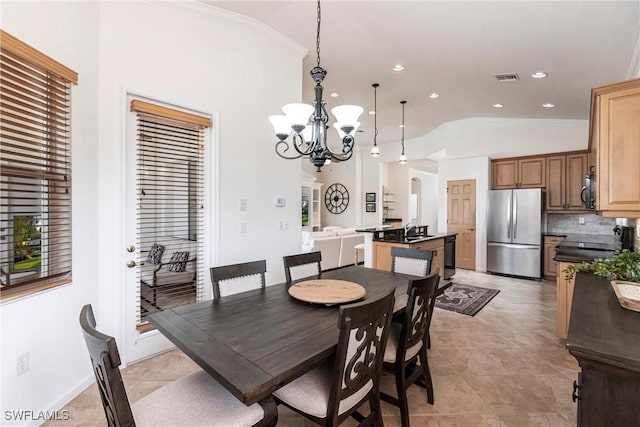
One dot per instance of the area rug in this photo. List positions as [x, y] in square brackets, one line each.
[465, 299]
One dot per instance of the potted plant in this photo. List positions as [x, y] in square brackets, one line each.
[623, 265]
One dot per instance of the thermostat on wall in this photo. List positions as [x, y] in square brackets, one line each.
[279, 201]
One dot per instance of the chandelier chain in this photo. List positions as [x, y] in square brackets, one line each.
[318, 35]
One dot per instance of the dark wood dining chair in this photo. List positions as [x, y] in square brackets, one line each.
[416, 262]
[243, 277]
[302, 265]
[196, 399]
[333, 392]
[406, 352]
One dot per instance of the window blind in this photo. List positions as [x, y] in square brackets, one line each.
[35, 169]
[170, 187]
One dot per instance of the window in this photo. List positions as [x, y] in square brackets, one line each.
[169, 198]
[35, 169]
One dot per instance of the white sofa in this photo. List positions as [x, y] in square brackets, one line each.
[336, 245]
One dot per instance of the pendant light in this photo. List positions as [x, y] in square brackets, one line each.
[375, 150]
[403, 159]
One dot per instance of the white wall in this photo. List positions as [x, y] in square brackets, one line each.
[212, 62]
[46, 324]
[429, 198]
[477, 168]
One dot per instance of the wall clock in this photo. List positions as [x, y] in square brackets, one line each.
[336, 199]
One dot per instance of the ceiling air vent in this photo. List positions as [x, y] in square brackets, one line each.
[507, 77]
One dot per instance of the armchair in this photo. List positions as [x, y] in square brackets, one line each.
[173, 275]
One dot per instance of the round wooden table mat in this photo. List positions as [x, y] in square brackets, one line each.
[327, 291]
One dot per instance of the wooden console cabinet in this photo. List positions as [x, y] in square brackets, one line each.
[615, 138]
[605, 339]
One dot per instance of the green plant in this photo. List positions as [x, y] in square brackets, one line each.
[623, 265]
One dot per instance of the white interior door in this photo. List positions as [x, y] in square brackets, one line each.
[141, 342]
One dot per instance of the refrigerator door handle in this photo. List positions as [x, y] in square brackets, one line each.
[516, 246]
[515, 217]
[509, 215]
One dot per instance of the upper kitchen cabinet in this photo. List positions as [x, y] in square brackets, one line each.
[565, 178]
[615, 136]
[526, 172]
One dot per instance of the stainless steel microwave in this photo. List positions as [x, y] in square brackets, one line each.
[588, 193]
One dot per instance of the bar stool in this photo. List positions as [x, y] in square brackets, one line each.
[359, 249]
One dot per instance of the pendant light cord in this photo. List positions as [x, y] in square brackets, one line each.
[318, 35]
[375, 115]
[403, 102]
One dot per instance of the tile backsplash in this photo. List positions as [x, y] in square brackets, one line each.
[570, 224]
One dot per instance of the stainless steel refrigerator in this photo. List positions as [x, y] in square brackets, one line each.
[514, 232]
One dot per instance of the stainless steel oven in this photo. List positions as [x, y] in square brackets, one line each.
[588, 193]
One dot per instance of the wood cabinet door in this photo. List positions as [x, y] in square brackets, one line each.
[531, 173]
[577, 167]
[556, 172]
[619, 150]
[564, 297]
[504, 174]
[382, 256]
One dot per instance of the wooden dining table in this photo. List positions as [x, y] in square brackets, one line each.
[254, 342]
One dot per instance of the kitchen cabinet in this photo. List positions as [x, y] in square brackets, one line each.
[550, 266]
[382, 253]
[565, 179]
[564, 298]
[615, 135]
[605, 340]
[527, 172]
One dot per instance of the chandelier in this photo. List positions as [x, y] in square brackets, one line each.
[403, 159]
[307, 124]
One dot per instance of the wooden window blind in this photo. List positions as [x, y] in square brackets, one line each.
[170, 193]
[35, 169]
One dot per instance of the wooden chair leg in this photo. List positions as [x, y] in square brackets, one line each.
[428, 384]
[376, 408]
[401, 390]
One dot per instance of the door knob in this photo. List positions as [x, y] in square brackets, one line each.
[131, 248]
[131, 264]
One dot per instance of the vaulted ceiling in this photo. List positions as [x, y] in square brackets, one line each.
[454, 49]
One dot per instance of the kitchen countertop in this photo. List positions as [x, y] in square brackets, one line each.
[415, 239]
[585, 247]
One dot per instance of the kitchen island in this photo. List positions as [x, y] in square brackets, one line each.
[380, 240]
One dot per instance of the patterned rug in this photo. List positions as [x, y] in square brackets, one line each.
[465, 299]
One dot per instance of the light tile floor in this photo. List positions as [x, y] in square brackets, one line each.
[502, 367]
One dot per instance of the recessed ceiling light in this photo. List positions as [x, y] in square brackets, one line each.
[372, 112]
[334, 94]
[434, 95]
[398, 67]
[498, 105]
[548, 105]
[539, 75]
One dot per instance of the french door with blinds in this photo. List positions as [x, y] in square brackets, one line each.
[168, 177]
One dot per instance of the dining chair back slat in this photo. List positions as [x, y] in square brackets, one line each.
[416, 262]
[301, 266]
[234, 278]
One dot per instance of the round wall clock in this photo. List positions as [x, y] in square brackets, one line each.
[336, 198]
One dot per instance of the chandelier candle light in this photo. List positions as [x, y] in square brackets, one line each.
[308, 123]
[403, 159]
[375, 150]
